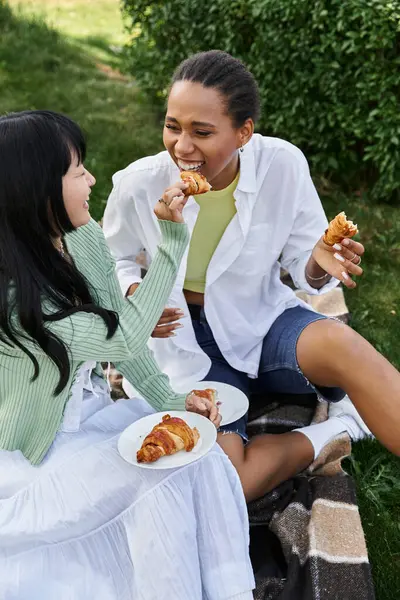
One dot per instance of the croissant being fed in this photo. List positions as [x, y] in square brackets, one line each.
[198, 184]
[167, 437]
[338, 229]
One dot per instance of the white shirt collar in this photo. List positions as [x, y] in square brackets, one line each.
[247, 179]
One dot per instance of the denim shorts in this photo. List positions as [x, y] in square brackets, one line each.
[279, 371]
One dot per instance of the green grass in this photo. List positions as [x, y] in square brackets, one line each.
[377, 476]
[375, 309]
[95, 25]
[375, 303]
[65, 55]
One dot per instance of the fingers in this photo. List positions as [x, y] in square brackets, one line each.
[199, 405]
[214, 415]
[348, 265]
[351, 256]
[347, 280]
[175, 191]
[353, 246]
[165, 331]
[170, 315]
[178, 202]
[196, 404]
[180, 185]
[350, 250]
[341, 261]
[169, 195]
[171, 204]
[167, 323]
[343, 273]
[348, 254]
[203, 407]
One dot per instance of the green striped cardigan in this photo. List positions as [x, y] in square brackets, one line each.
[30, 414]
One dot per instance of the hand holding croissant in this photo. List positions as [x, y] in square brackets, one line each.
[170, 206]
[204, 407]
[337, 254]
[339, 228]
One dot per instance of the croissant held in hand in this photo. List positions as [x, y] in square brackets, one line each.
[208, 394]
[338, 229]
[198, 184]
[168, 437]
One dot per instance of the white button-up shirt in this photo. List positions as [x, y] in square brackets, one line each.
[278, 221]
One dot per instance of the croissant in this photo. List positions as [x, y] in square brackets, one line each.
[198, 184]
[168, 437]
[338, 229]
[209, 394]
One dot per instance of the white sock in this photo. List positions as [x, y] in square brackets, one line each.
[321, 434]
[352, 427]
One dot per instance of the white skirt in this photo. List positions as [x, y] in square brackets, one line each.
[86, 524]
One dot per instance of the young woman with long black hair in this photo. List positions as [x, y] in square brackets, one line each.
[76, 520]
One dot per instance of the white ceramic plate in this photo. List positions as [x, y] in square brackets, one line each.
[132, 438]
[234, 403]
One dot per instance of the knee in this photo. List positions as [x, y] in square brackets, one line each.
[243, 464]
[328, 346]
[335, 334]
[342, 343]
[330, 336]
[238, 459]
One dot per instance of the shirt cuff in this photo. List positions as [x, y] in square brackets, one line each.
[330, 285]
[177, 233]
[176, 402]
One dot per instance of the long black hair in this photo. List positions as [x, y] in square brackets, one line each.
[36, 151]
[229, 76]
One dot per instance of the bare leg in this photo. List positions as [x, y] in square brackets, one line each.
[332, 354]
[267, 460]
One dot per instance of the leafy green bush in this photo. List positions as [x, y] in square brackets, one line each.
[328, 72]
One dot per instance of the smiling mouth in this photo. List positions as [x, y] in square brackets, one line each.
[190, 166]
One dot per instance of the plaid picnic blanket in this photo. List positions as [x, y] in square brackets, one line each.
[307, 541]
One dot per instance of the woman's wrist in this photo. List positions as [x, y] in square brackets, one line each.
[315, 275]
[175, 233]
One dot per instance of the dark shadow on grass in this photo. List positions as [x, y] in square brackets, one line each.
[34, 44]
[100, 43]
[41, 68]
[100, 48]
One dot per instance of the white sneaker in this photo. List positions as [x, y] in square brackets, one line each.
[345, 408]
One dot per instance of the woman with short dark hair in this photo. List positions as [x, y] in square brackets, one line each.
[244, 326]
